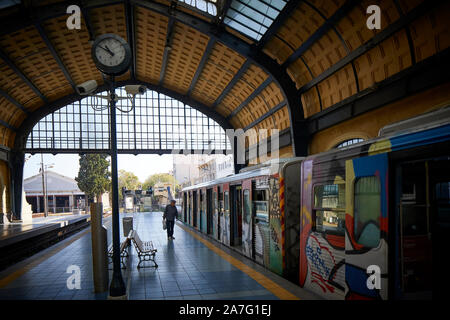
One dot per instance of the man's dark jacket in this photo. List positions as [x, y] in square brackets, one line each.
[170, 213]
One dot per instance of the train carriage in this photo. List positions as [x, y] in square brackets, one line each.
[361, 222]
[378, 206]
[246, 212]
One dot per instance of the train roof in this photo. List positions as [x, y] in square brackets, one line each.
[264, 169]
[424, 121]
[428, 121]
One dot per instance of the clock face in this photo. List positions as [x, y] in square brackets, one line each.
[111, 54]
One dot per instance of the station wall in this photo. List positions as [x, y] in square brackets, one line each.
[368, 125]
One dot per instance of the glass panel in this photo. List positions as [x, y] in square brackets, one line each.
[349, 142]
[330, 196]
[261, 209]
[226, 201]
[414, 220]
[367, 211]
[153, 124]
[253, 17]
[329, 202]
[333, 221]
[207, 6]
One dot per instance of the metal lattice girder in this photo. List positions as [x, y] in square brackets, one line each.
[157, 122]
[30, 122]
[250, 51]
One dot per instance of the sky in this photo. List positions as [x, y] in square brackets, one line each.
[142, 165]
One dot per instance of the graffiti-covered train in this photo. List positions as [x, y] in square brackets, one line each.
[361, 222]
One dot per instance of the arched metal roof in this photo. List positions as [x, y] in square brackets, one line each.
[308, 69]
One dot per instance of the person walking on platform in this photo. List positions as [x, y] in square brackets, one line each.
[170, 214]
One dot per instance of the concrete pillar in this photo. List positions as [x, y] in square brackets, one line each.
[99, 249]
[16, 164]
[54, 203]
[26, 212]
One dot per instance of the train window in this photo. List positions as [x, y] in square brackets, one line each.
[226, 200]
[329, 208]
[247, 207]
[348, 142]
[367, 211]
[260, 195]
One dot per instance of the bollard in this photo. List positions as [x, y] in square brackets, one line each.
[99, 249]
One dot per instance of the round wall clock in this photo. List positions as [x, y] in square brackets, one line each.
[111, 54]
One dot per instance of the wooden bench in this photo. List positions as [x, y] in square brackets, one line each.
[144, 249]
[123, 251]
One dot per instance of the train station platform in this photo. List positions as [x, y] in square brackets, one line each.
[191, 267]
[14, 232]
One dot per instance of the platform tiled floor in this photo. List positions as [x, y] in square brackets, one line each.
[189, 268]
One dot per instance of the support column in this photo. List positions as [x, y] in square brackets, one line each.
[117, 288]
[16, 164]
[54, 203]
[38, 204]
[300, 138]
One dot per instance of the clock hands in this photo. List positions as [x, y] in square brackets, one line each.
[107, 50]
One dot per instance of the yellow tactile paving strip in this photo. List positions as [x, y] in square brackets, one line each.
[270, 285]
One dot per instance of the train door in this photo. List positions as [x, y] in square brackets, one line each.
[261, 225]
[215, 211]
[440, 223]
[423, 208]
[220, 218]
[209, 214]
[203, 222]
[226, 226]
[366, 245]
[185, 206]
[236, 216]
[247, 219]
[189, 204]
[194, 209]
[290, 212]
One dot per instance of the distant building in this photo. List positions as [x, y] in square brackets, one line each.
[207, 171]
[63, 194]
[185, 168]
[194, 168]
[224, 166]
[215, 167]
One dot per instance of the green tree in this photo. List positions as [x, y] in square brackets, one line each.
[128, 180]
[94, 176]
[161, 178]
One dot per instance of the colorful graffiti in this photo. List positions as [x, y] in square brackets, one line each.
[276, 257]
[326, 272]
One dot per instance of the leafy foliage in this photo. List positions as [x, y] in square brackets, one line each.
[128, 180]
[157, 178]
[94, 176]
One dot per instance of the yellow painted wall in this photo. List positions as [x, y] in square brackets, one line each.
[285, 152]
[367, 125]
[4, 188]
